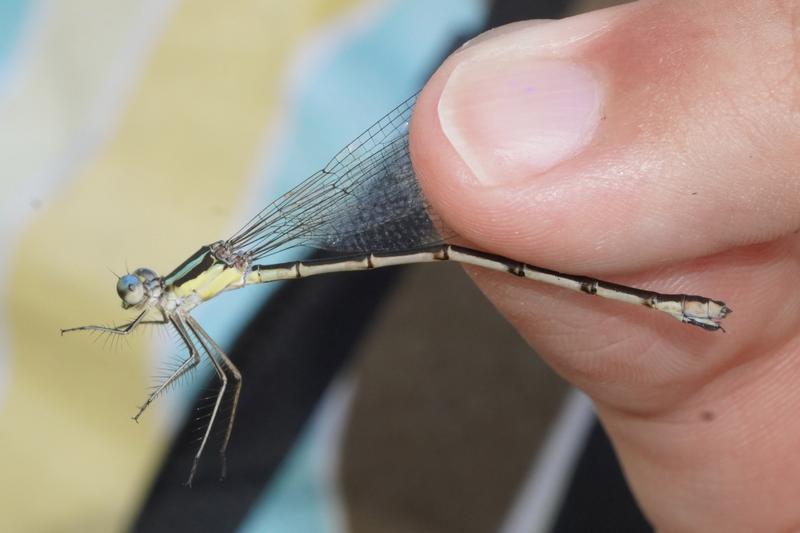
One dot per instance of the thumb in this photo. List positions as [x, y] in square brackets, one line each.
[625, 129]
[651, 144]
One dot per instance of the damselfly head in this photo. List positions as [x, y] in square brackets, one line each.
[133, 288]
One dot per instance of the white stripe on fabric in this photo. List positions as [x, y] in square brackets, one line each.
[541, 494]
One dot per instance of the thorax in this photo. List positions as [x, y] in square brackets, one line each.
[200, 278]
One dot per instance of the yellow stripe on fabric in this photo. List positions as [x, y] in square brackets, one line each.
[163, 185]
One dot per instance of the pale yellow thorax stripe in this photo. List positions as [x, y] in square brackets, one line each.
[211, 282]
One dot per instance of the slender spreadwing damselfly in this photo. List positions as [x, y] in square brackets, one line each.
[367, 209]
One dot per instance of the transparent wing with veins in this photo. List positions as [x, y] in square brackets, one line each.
[366, 199]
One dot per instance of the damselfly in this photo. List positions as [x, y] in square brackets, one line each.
[366, 203]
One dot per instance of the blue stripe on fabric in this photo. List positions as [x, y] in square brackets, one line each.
[13, 15]
[381, 64]
[378, 68]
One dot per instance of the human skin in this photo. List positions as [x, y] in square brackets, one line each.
[655, 145]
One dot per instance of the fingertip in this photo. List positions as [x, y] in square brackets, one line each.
[568, 143]
[495, 116]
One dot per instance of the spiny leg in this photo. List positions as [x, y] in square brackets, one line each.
[124, 330]
[188, 364]
[237, 384]
[223, 378]
[120, 330]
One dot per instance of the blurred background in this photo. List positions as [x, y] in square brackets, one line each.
[134, 131]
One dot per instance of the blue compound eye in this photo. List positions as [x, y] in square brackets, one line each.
[130, 290]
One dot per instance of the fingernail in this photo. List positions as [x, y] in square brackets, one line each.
[511, 115]
[506, 29]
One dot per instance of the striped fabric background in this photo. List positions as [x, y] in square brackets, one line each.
[134, 131]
